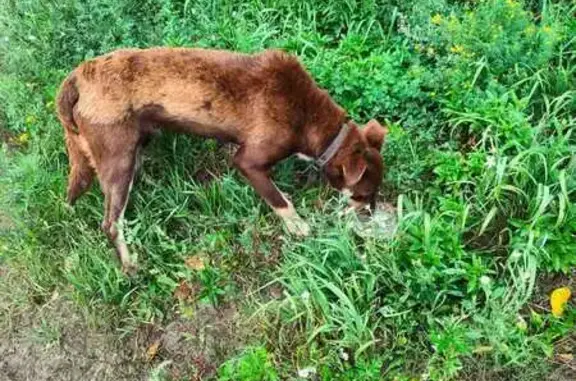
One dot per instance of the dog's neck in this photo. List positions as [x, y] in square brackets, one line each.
[333, 146]
[321, 120]
[319, 137]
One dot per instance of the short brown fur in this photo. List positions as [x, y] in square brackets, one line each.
[266, 103]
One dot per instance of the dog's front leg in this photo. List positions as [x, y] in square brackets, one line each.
[257, 172]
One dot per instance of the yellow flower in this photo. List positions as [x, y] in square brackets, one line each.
[23, 138]
[436, 19]
[558, 300]
[457, 49]
[547, 29]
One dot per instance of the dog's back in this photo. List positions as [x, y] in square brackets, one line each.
[220, 90]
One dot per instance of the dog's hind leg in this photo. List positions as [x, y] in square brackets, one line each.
[117, 187]
[116, 168]
[81, 171]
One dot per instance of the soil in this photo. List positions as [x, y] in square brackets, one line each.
[56, 341]
[194, 347]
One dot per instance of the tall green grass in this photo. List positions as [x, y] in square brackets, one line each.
[480, 101]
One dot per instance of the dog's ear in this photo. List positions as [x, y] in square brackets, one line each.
[353, 168]
[374, 133]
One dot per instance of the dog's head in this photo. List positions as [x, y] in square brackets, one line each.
[357, 168]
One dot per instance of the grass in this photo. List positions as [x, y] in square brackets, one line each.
[479, 97]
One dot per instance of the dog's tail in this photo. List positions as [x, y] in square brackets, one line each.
[67, 98]
[81, 171]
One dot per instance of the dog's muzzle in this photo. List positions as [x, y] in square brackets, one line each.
[372, 205]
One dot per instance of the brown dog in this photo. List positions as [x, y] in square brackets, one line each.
[265, 103]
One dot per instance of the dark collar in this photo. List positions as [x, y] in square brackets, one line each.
[334, 146]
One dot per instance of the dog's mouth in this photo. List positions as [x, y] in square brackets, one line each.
[363, 208]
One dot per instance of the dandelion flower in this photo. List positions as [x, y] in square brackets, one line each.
[558, 300]
[23, 138]
[436, 19]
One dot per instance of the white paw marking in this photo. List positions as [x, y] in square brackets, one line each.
[294, 223]
[297, 226]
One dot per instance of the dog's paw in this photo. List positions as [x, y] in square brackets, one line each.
[297, 226]
[69, 207]
[129, 269]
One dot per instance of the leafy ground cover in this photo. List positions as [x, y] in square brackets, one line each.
[480, 100]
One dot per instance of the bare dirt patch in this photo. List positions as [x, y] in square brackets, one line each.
[58, 340]
[195, 346]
